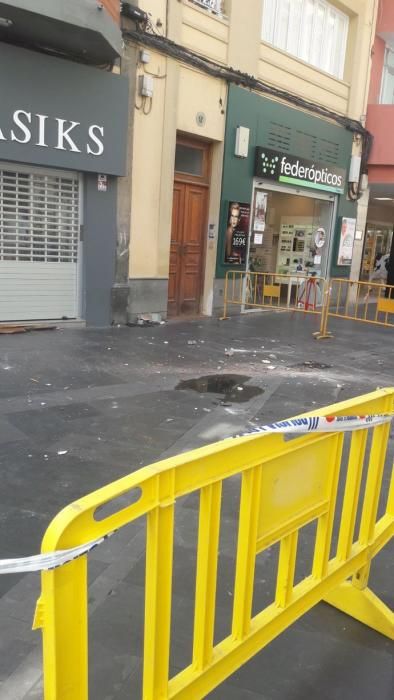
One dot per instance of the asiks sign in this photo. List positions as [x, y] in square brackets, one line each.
[65, 134]
[282, 167]
[60, 114]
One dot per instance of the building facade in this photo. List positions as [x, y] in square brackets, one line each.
[220, 93]
[62, 150]
[378, 239]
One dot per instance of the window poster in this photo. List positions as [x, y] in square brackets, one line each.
[260, 210]
[348, 231]
[237, 232]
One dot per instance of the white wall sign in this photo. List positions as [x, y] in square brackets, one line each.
[102, 183]
[201, 118]
[348, 232]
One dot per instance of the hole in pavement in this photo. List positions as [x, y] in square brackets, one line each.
[231, 387]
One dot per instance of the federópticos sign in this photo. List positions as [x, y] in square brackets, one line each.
[293, 170]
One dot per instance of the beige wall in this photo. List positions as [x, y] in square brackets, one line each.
[180, 92]
[177, 99]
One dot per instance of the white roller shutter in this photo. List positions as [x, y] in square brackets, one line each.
[39, 240]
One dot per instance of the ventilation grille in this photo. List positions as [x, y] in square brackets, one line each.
[305, 145]
[328, 151]
[279, 137]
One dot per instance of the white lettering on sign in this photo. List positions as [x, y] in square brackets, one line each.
[63, 134]
[24, 129]
[70, 135]
[97, 141]
[313, 173]
[41, 130]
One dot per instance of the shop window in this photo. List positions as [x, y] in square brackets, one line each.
[189, 160]
[387, 93]
[289, 234]
[377, 242]
[312, 30]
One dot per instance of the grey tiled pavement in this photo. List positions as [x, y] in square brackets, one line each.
[108, 398]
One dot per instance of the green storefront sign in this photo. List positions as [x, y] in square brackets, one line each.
[311, 153]
[292, 170]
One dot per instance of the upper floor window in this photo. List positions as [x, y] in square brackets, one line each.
[312, 30]
[215, 6]
[387, 93]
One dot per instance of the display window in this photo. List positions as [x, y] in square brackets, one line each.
[290, 233]
[377, 242]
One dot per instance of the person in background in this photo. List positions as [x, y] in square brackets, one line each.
[379, 272]
[390, 273]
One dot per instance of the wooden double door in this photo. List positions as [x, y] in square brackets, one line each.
[189, 221]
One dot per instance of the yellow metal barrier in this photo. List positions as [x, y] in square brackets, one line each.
[286, 484]
[358, 301]
[269, 290]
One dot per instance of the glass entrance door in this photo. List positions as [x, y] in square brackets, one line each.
[377, 243]
[290, 233]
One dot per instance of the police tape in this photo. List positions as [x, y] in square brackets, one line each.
[321, 424]
[48, 561]
[307, 424]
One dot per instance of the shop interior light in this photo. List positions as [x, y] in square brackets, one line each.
[384, 199]
[4, 22]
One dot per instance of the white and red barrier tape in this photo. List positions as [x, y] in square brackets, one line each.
[322, 424]
[308, 424]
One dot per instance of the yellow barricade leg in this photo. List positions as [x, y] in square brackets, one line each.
[364, 606]
[324, 333]
[62, 614]
[224, 317]
[353, 597]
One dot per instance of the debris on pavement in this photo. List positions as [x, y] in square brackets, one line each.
[8, 330]
[12, 330]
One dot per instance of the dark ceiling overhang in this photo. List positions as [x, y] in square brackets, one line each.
[79, 29]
